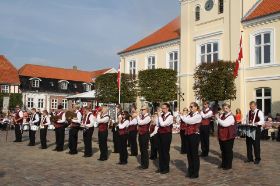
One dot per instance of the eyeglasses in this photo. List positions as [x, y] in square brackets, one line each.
[191, 107]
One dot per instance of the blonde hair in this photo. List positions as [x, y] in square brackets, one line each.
[226, 105]
[238, 111]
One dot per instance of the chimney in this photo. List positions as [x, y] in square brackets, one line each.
[75, 67]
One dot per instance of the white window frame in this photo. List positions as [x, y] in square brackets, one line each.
[40, 103]
[5, 89]
[35, 82]
[198, 50]
[272, 47]
[129, 69]
[54, 103]
[148, 66]
[87, 87]
[30, 102]
[64, 103]
[263, 98]
[168, 61]
[63, 84]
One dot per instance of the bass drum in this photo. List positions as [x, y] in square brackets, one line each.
[25, 127]
[51, 127]
[34, 128]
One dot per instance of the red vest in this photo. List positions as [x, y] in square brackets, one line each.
[59, 125]
[252, 115]
[86, 119]
[132, 128]
[102, 127]
[192, 129]
[17, 117]
[143, 129]
[226, 133]
[167, 129]
[183, 125]
[205, 121]
[152, 128]
[123, 131]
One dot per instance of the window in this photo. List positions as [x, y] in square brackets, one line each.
[35, 83]
[262, 48]
[64, 103]
[5, 89]
[63, 85]
[41, 103]
[85, 104]
[209, 52]
[87, 87]
[30, 102]
[132, 67]
[173, 60]
[197, 13]
[75, 85]
[51, 84]
[151, 62]
[54, 104]
[221, 6]
[263, 99]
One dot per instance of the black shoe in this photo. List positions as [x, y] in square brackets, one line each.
[54, 149]
[31, 144]
[164, 172]
[115, 152]
[101, 159]
[17, 141]
[43, 147]
[203, 155]
[220, 166]
[133, 154]
[257, 162]
[59, 150]
[183, 152]
[72, 153]
[194, 176]
[226, 168]
[248, 161]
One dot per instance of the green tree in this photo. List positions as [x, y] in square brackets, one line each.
[15, 99]
[158, 85]
[215, 81]
[107, 89]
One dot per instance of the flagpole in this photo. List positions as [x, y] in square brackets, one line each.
[120, 89]
[244, 82]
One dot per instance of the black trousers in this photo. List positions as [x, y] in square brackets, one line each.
[204, 131]
[123, 148]
[102, 140]
[227, 153]
[250, 143]
[87, 136]
[32, 137]
[183, 142]
[43, 137]
[144, 146]
[115, 140]
[132, 138]
[18, 132]
[73, 140]
[154, 146]
[59, 137]
[164, 141]
[192, 143]
[212, 126]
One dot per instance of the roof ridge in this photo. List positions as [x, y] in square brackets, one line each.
[252, 9]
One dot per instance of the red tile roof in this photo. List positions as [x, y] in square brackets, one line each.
[263, 8]
[169, 32]
[8, 73]
[40, 71]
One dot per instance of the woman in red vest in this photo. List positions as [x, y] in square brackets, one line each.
[123, 135]
[226, 136]
[192, 122]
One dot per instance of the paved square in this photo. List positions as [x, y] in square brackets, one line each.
[24, 165]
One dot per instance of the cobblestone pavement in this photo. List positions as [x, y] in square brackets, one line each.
[24, 165]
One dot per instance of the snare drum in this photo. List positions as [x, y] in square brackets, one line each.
[25, 127]
[34, 128]
[51, 127]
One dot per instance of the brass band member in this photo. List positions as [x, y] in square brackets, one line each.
[192, 122]
[226, 135]
[204, 128]
[59, 129]
[34, 120]
[182, 131]
[154, 137]
[165, 121]
[115, 130]
[144, 121]
[74, 130]
[18, 122]
[103, 119]
[132, 134]
[255, 117]
[88, 125]
[122, 125]
[45, 122]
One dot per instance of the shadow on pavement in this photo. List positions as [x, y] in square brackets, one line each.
[180, 165]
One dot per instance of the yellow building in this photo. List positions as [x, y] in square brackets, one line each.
[210, 30]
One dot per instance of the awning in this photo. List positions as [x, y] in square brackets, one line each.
[84, 95]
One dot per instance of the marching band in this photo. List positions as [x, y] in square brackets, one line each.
[155, 129]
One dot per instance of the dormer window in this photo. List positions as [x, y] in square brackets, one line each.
[75, 85]
[51, 84]
[35, 82]
[63, 85]
[87, 87]
[197, 13]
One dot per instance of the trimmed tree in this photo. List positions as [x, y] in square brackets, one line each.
[215, 81]
[15, 99]
[158, 85]
[107, 89]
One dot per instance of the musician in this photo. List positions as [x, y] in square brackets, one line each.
[192, 122]
[34, 120]
[255, 117]
[165, 121]
[115, 130]
[204, 129]
[144, 121]
[103, 119]
[132, 134]
[154, 137]
[60, 129]
[123, 123]
[88, 125]
[74, 130]
[45, 122]
[182, 131]
[18, 119]
[226, 135]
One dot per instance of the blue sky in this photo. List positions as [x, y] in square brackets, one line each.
[86, 33]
